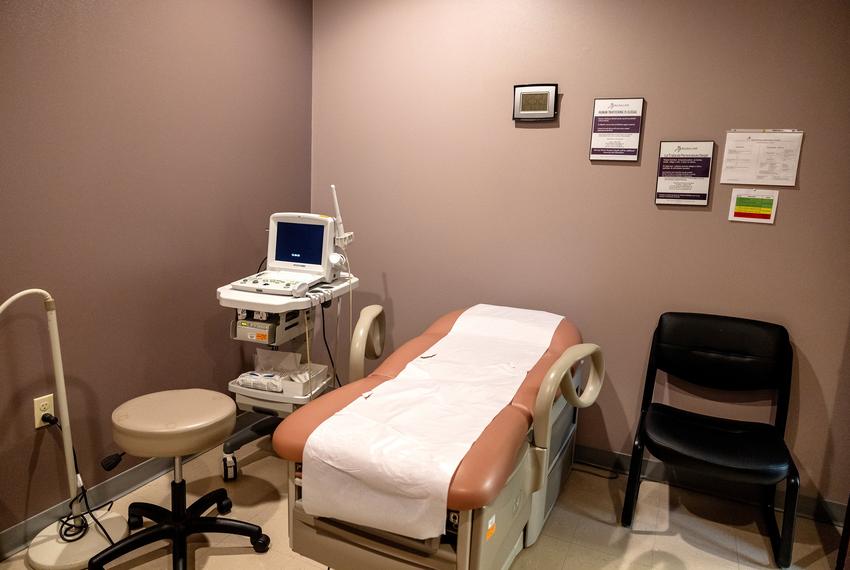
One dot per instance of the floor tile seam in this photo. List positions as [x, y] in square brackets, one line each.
[701, 550]
[702, 559]
[737, 550]
[607, 552]
[567, 563]
[565, 541]
[573, 529]
[740, 542]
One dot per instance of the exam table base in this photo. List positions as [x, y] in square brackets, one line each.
[488, 538]
[518, 515]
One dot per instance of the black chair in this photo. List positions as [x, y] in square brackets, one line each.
[724, 353]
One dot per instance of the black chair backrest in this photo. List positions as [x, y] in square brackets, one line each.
[724, 353]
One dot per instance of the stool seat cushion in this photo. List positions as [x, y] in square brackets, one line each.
[173, 423]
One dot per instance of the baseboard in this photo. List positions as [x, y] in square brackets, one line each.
[17, 537]
[816, 508]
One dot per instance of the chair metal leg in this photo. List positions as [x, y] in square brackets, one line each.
[633, 485]
[782, 542]
[226, 526]
[259, 541]
[179, 551]
[202, 505]
[132, 542]
[789, 516]
[147, 510]
[769, 497]
[844, 543]
[769, 510]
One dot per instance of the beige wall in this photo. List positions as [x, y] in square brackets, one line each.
[453, 204]
[142, 146]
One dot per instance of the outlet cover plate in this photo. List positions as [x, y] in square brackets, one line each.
[42, 405]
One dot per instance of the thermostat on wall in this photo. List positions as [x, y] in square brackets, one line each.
[537, 102]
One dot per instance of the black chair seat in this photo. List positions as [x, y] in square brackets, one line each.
[746, 452]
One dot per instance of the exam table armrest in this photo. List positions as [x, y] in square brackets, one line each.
[367, 341]
[560, 376]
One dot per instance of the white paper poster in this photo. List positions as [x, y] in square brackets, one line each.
[752, 205]
[767, 157]
[684, 172]
[616, 129]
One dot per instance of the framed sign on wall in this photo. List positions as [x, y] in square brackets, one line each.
[684, 172]
[617, 124]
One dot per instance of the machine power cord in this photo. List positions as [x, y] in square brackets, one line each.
[71, 531]
[260, 266]
[328, 348]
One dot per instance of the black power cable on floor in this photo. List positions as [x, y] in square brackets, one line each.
[70, 530]
[328, 348]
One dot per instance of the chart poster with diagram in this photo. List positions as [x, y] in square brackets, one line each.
[765, 157]
[616, 129]
[751, 205]
[684, 172]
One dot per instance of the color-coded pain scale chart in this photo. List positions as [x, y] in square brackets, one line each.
[751, 205]
[759, 208]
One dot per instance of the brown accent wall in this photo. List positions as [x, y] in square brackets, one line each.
[454, 204]
[143, 145]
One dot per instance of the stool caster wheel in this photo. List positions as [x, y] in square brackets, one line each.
[224, 506]
[134, 522]
[262, 543]
[230, 469]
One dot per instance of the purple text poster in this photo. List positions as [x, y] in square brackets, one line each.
[616, 129]
[684, 172]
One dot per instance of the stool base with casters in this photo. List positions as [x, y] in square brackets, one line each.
[177, 524]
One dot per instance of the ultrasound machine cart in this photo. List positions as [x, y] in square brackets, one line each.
[287, 322]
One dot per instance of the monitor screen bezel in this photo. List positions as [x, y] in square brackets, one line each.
[300, 218]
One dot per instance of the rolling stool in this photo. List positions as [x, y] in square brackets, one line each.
[175, 423]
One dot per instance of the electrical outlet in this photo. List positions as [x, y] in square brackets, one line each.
[42, 405]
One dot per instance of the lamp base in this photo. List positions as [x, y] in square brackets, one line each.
[48, 551]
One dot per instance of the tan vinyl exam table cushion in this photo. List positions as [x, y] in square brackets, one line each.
[486, 467]
[173, 423]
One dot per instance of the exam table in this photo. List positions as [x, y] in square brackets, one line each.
[504, 487]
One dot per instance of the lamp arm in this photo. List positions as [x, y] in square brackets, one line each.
[61, 394]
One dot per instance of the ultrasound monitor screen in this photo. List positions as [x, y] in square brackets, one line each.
[299, 243]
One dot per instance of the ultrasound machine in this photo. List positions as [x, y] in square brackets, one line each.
[300, 255]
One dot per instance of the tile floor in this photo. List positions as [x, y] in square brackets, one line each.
[673, 529]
